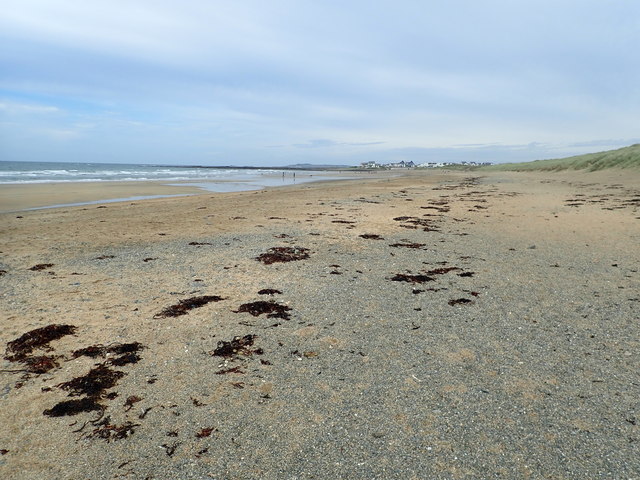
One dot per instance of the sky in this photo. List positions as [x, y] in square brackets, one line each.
[281, 82]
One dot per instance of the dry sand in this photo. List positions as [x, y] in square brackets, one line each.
[516, 357]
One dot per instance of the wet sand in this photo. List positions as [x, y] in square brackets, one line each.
[20, 197]
[437, 325]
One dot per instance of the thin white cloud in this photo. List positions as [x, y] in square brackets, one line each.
[12, 108]
[326, 143]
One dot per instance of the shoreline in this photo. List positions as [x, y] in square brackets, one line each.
[16, 198]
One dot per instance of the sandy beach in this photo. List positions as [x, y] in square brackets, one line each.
[426, 325]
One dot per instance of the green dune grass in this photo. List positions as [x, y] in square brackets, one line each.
[627, 157]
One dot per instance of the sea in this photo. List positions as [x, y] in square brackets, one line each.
[213, 179]
[56, 172]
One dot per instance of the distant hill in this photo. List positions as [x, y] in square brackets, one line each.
[627, 157]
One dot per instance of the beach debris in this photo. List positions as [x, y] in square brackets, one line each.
[21, 347]
[130, 401]
[224, 371]
[283, 254]
[170, 449]
[94, 383]
[466, 274]
[104, 257]
[415, 222]
[149, 259]
[183, 306]
[307, 354]
[438, 209]
[41, 266]
[404, 277]
[237, 346]
[269, 291]
[271, 308]
[144, 412]
[198, 244]
[459, 301]
[201, 452]
[108, 431]
[371, 236]
[206, 432]
[3, 272]
[74, 407]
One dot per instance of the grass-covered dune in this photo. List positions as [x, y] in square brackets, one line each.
[627, 157]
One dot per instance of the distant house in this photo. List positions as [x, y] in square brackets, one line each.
[370, 164]
[432, 164]
[402, 164]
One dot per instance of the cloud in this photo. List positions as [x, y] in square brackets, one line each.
[299, 80]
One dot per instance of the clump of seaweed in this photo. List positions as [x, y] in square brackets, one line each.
[224, 371]
[407, 245]
[21, 347]
[442, 270]
[459, 301]
[271, 308]
[269, 291]
[237, 346]
[371, 236]
[41, 266]
[206, 432]
[94, 351]
[40, 364]
[183, 306]
[108, 431]
[283, 254]
[74, 407]
[94, 383]
[415, 222]
[404, 277]
[124, 359]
